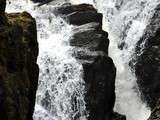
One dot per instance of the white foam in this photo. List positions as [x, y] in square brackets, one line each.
[125, 21]
[61, 75]
[61, 87]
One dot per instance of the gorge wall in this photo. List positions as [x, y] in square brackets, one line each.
[147, 61]
[147, 64]
[18, 68]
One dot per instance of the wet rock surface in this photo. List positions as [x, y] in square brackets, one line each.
[42, 1]
[90, 48]
[147, 67]
[79, 14]
[155, 115]
[18, 68]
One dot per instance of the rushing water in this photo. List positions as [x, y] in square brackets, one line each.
[125, 20]
[60, 80]
[61, 89]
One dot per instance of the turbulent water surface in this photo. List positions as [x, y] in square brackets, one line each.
[125, 20]
[61, 87]
[60, 79]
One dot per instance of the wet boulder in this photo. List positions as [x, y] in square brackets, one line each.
[79, 14]
[67, 9]
[93, 40]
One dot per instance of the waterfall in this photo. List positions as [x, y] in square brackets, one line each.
[60, 79]
[61, 87]
[125, 21]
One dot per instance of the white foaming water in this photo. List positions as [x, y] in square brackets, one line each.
[82, 1]
[125, 20]
[60, 80]
[61, 87]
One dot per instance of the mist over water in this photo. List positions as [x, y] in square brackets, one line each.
[60, 79]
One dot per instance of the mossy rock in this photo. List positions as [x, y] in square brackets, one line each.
[18, 67]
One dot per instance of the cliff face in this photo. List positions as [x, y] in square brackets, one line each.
[148, 61]
[90, 44]
[148, 64]
[18, 68]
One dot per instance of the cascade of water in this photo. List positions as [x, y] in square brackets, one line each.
[60, 80]
[60, 90]
[125, 21]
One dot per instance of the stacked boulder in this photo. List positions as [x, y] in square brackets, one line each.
[90, 48]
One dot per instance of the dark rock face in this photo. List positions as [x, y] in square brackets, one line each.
[147, 67]
[68, 9]
[18, 68]
[90, 48]
[80, 14]
[42, 1]
[80, 18]
[2, 6]
[155, 115]
[99, 78]
[93, 40]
